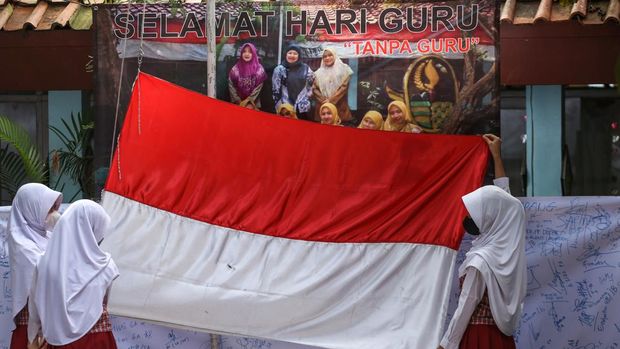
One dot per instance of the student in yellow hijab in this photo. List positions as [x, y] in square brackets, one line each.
[329, 114]
[287, 110]
[399, 119]
[372, 120]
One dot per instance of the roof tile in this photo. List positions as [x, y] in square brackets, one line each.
[580, 8]
[613, 12]
[53, 14]
[26, 2]
[543, 12]
[584, 11]
[5, 13]
[32, 22]
[66, 14]
[45, 15]
[47, 22]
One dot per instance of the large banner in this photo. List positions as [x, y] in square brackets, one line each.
[437, 57]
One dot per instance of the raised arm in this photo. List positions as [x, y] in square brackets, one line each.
[495, 147]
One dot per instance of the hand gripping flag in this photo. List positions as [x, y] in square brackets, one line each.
[241, 222]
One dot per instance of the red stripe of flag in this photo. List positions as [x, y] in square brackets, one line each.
[218, 163]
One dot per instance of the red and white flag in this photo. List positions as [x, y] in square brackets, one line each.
[240, 222]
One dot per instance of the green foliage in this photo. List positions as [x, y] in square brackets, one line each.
[20, 161]
[76, 161]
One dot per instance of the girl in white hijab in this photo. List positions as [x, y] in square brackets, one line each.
[494, 273]
[33, 214]
[71, 282]
[331, 84]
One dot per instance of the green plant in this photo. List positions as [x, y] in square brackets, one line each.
[76, 160]
[20, 161]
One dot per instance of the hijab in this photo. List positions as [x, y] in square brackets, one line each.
[375, 116]
[28, 236]
[330, 78]
[290, 108]
[334, 110]
[389, 125]
[246, 76]
[499, 252]
[73, 276]
[295, 74]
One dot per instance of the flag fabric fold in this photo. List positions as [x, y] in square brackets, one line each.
[237, 221]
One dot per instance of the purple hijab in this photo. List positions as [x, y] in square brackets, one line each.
[246, 76]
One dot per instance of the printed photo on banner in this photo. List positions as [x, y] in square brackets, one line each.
[423, 67]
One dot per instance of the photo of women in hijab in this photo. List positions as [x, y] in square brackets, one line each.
[287, 110]
[372, 120]
[329, 114]
[331, 84]
[292, 83]
[399, 119]
[246, 77]
[34, 213]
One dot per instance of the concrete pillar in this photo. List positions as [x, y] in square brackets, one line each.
[545, 109]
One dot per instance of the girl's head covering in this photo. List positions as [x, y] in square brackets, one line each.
[330, 78]
[334, 110]
[499, 252]
[400, 105]
[73, 276]
[389, 124]
[375, 116]
[289, 108]
[28, 236]
[246, 76]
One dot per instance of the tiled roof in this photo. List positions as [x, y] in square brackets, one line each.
[45, 15]
[584, 11]
[195, 6]
[76, 14]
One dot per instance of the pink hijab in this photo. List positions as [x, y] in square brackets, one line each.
[246, 76]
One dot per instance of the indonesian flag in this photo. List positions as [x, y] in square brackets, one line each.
[235, 221]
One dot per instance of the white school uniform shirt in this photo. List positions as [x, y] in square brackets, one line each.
[507, 235]
[28, 237]
[72, 277]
